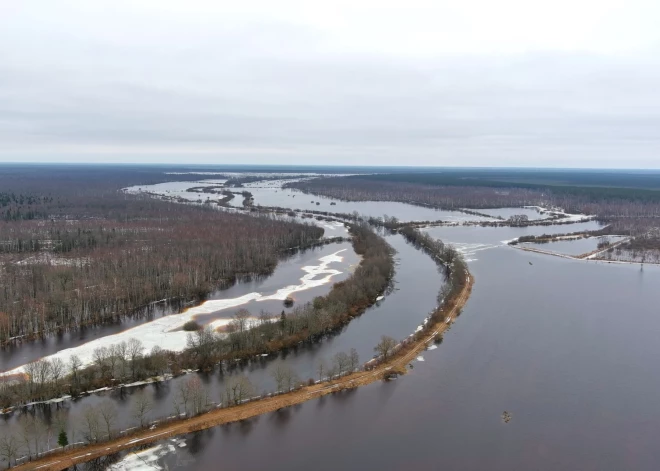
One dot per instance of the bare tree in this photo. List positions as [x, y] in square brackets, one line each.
[321, 368]
[122, 351]
[43, 372]
[100, 355]
[199, 397]
[239, 388]
[108, 413]
[27, 431]
[91, 423]
[141, 409]
[240, 320]
[353, 360]
[158, 359]
[134, 349]
[341, 362]
[57, 369]
[74, 366]
[32, 372]
[385, 346]
[114, 358]
[184, 395]
[10, 446]
[201, 344]
[284, 377]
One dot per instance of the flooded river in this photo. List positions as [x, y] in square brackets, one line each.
[566, 347]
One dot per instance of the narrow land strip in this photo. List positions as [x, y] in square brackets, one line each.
[398, 362]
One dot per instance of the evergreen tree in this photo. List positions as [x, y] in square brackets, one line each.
[62, 439]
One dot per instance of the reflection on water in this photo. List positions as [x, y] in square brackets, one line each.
[417, 282]
[288, 272]
[568, 348]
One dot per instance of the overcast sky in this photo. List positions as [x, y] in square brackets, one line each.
[561, 83]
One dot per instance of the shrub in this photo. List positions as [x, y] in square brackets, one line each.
[191, 326]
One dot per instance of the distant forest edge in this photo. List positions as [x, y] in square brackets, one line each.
[636, 185]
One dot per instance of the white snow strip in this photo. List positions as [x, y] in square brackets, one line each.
[146, 460]
[163, 332]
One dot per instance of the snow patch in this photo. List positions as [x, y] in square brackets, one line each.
[165, 332]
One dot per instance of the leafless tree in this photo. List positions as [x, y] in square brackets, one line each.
[239, 388]
[199, 396]
[32, 372]
[341, 362]
[100, 356]
[353, 360]
[158, 359]
[10, 447]
[91, 423]
[74, 366]
[57, 369]
[108, 413]
[27, 431]
[141, 409]
[385, 346]
[241, 319]
[321, 368]
[134, 349]
[284, 376]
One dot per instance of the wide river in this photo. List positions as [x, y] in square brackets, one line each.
[566, 347]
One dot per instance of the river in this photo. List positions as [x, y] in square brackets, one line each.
[566, 347]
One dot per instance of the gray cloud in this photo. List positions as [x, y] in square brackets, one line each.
[276, 92]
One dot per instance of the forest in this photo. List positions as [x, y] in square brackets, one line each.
[127, 362]
[631, 210]
[75, 251]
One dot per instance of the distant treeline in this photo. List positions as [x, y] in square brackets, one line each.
[634, 210]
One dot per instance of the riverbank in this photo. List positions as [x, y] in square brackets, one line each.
[398, 363]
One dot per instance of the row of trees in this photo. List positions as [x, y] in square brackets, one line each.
[127, 361]
[308, 322]
[114, 365]
[633, 211]
[37, 434]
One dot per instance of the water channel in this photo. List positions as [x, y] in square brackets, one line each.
[567, 347]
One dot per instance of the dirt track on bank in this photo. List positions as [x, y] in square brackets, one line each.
[398, 362]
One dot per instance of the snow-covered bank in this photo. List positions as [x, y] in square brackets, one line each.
[166, 332]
